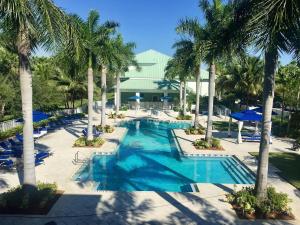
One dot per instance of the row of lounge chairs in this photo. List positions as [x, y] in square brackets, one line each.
[253, 137]
[13, 147]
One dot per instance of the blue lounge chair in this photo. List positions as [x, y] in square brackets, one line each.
[42, 155]
[95, 132]
[4, 157]
[19, 137]
[38, 162]
[6, 163]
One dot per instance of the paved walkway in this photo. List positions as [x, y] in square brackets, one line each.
[81, 205]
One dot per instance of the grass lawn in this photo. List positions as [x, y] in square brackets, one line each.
[288, 164]
[223, 126]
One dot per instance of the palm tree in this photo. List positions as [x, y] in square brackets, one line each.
[272, 27]
[123, 58]
[105, 56]
[90, 35]
[193, 29]
[30, 23]
[179, 68]
[217, 17]
[242, 76]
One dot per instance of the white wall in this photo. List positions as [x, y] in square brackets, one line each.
[203, 87]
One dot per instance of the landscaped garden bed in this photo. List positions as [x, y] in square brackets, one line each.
[195, 131]
[83, 142]
[202, 144]
[17, 201]
[105, 129]
[247, 206]
[184, 117]
[116, 116]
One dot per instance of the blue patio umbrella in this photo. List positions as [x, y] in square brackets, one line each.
[135, 97]
[246, 115]
[37, 116]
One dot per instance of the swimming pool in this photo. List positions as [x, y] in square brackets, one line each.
[148, 160]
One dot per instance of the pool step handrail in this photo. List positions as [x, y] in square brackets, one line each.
[76, 159]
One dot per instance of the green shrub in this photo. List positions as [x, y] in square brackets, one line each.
[176, 108]
[11, 132]
[275, 202]
[105, 129]
[246, 201]
[124, 108]
[120, 116]
[17, 198]
[216, 143]
[112, 116]
[203, 144]
[184, 117]
[83, 142]
[191, 130]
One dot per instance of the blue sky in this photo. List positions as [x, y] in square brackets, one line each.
[149, 23]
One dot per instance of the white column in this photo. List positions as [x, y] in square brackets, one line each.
[229, 127]
[137, 101]
[240, 126]
[256, 128]
[116, 97]
[165, 100]
[138, 95]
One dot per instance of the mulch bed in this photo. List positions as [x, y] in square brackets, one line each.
[253, 216]
[33, 210]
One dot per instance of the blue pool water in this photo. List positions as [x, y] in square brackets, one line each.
[148, 160]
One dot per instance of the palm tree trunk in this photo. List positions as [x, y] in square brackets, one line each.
[29, 182]
[181, 96]
[90, 103]
[198, 75]
[282, 107]
[184, 98]
[118, 93]
[103, 95]
[211, 93]
[271, 57]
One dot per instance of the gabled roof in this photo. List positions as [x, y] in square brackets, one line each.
[149, 85]
[152, 65]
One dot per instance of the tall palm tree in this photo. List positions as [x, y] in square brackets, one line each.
[123, 58]
[217, 16]
[106, 55]
[193, 29]
[272, 27]
[31, 23]
[178, 68]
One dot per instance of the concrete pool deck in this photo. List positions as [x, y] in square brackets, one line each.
[81, 205]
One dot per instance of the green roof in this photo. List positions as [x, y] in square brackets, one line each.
[148, 85]
[153, 64]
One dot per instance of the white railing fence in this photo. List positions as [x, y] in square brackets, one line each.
[222, 111]
[4, 126]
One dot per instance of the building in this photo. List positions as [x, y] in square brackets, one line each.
[150, 85]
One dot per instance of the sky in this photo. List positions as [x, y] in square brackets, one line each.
[149, 23]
